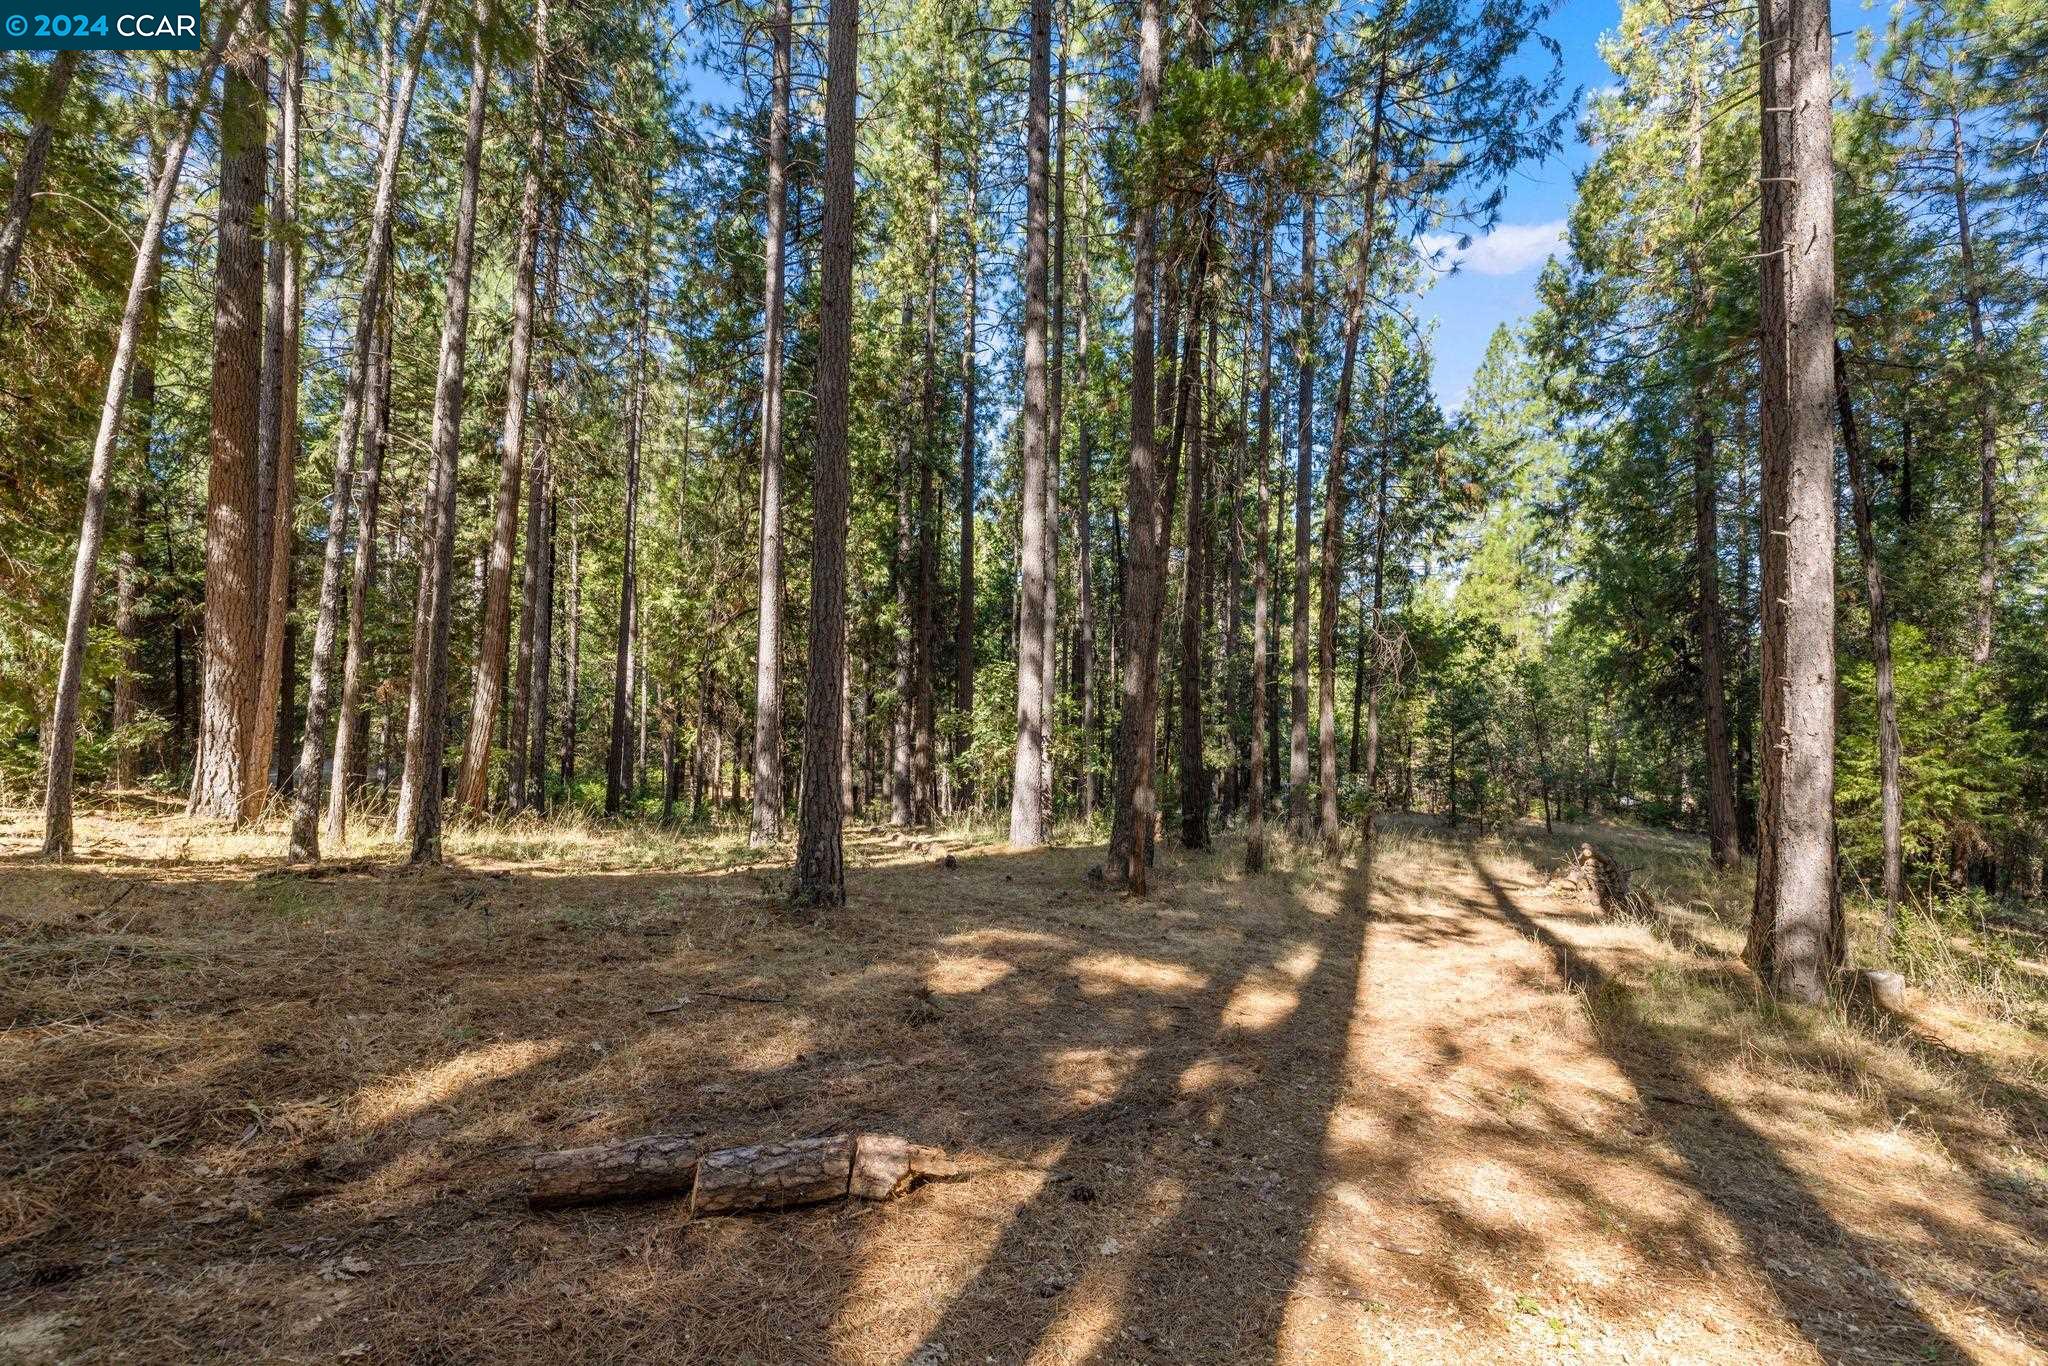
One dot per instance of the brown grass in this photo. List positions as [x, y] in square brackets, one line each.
[1429, 1110]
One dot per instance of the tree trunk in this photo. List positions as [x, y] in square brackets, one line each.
[903, 570]
[963, 633]
[1027, 796]
[519, 749]
[1304, 485]
[767, 828]
[1130, 835]
[128, 629]
[619, 765]
[1255, 831]
[1327, 585]
[1333, 496]
[372, 353]
[277, 428]
[1891, 800]
[227, 788]
[1048, 666]
[536, 738]
[924, 742]
[1232, 587]
[1084, 568]
[1379, 607]
[1194, 772]
[820, 879]
[572, 659]
[1986, 415]
[472, 785]
[28, 172]
[63, 747]
[1723, 844]
[1796, 939]
[426, 719]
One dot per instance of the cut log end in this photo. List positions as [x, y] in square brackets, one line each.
[1869, 987]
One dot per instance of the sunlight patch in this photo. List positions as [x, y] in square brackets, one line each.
[1101, 972]
[959, 975]
[407, 1095]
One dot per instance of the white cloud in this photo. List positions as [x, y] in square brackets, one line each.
[1508, 250]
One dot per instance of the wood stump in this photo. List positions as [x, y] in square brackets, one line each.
[1875, 990]
[1602, 880]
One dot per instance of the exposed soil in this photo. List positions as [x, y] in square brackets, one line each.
[1430, 1109]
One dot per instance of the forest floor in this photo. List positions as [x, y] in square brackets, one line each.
[1430, 1108]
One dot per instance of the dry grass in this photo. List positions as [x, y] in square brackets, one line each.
[1432, 1110]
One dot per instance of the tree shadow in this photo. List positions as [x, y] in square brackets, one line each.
[1201, 1164]
[1743, 1176]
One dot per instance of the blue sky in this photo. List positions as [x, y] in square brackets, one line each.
[1497, 280]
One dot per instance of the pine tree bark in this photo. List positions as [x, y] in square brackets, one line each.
[128, 566]
[1796, 938]
[767, 827]
[352, 731]
[277, 427]
[305, 840]
[1055, 417]
[1255, 827]
[924, 741]
[1130, 834]
[426, 717]
[28, 172]
[820, 878]
[1304, 485]
[523, 756]
[1724, 848]
[543, 649]
[226, 787]
[619, 766]
[903, 570]
[472, 784]
[1333, 494]
[1372, 633]
[1890, 794]
[1330, 564]
[128, 630]
[1981, 400]
[572, 660]
[63, 747]
[1084, 567]
[963, 630]
[1027, 795]
[1194, 774]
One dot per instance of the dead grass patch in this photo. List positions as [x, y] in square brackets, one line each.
[1421, 1111]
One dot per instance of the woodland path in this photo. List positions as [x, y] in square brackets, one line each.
[1520, 1149]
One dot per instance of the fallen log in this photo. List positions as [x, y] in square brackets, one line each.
[762, 1176]
[656, 1164]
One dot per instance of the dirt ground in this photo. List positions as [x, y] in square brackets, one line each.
[1428, 1108]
